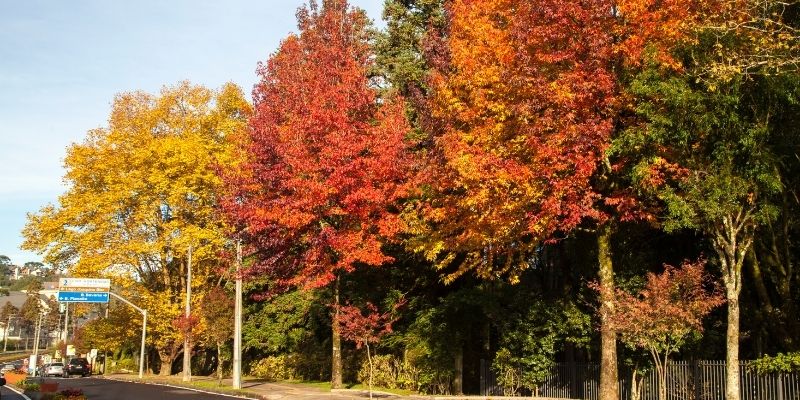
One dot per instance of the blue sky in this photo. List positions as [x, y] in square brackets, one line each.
[62, 62]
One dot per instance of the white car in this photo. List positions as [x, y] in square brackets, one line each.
[53, 369]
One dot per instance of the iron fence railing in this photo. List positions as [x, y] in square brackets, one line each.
[686, 380]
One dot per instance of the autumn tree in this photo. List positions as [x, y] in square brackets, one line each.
[140, 193]
[326, 161]
[120, 330]
[662, 315]
[366, 327]
[217, 313]
[751, 38]
[522, 110]
[525, 101]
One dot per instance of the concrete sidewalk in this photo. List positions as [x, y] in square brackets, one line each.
[260, 389]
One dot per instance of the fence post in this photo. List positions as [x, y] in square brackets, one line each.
[483, 378]
[573, 380]
[780, 386]
[696, 379]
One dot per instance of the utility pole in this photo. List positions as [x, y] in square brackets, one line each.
[66, 323]
[5, 334]
[187, 356]
[237, 321]
[36, 342]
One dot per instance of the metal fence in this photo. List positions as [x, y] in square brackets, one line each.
[686, 380]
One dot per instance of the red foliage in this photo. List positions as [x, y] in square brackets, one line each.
[670, 306]
[365, 329]
[326, 159]
[185, 324]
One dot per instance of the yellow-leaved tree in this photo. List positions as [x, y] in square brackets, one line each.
[140, 193]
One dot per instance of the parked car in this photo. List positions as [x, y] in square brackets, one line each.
[7, 367]
[53, 369]
[78, 366]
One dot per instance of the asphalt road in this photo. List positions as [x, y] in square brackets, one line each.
[8, 394]
[104, 389]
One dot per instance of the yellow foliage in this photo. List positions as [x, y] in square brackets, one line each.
[143, 190]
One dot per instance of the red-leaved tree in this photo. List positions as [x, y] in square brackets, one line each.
[326, 158]
[366, 327]
[661, 316]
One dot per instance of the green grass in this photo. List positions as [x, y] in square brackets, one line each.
[315, 384]
[14, 355]
[363, 386]
[210, 385]
[326, 385]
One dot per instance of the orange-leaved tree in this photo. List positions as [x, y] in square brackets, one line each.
[525, 100]
[326, 160]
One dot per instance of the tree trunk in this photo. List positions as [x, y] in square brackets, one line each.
[166, 357]
[662, 379]
[336, 357]
[732, 391]
[636, 385]
[369, 359]
[219, 363]
[609, 379]
[732, 238]
[166, 368]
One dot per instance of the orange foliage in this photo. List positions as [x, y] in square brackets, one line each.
[525, 110]
[522, 110]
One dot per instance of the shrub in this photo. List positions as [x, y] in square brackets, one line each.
[385, 372]
[776, 364]
[275, 368]
[125, 364]
[70, 394]
[508, 372]
[390, 372]
[29, 386]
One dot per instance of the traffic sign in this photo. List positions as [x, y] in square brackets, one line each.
[98, 283]
[83, 290]
[83, 297]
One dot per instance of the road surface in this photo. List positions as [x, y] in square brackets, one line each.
[105, 389]
[8, 394]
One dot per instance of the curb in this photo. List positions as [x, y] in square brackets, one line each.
[234, 396]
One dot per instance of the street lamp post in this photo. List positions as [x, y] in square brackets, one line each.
[144, 330]
[187, 356]
[66, 322]
[5, 334]
[237, 322]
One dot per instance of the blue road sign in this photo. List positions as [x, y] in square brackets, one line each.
[83, 297]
